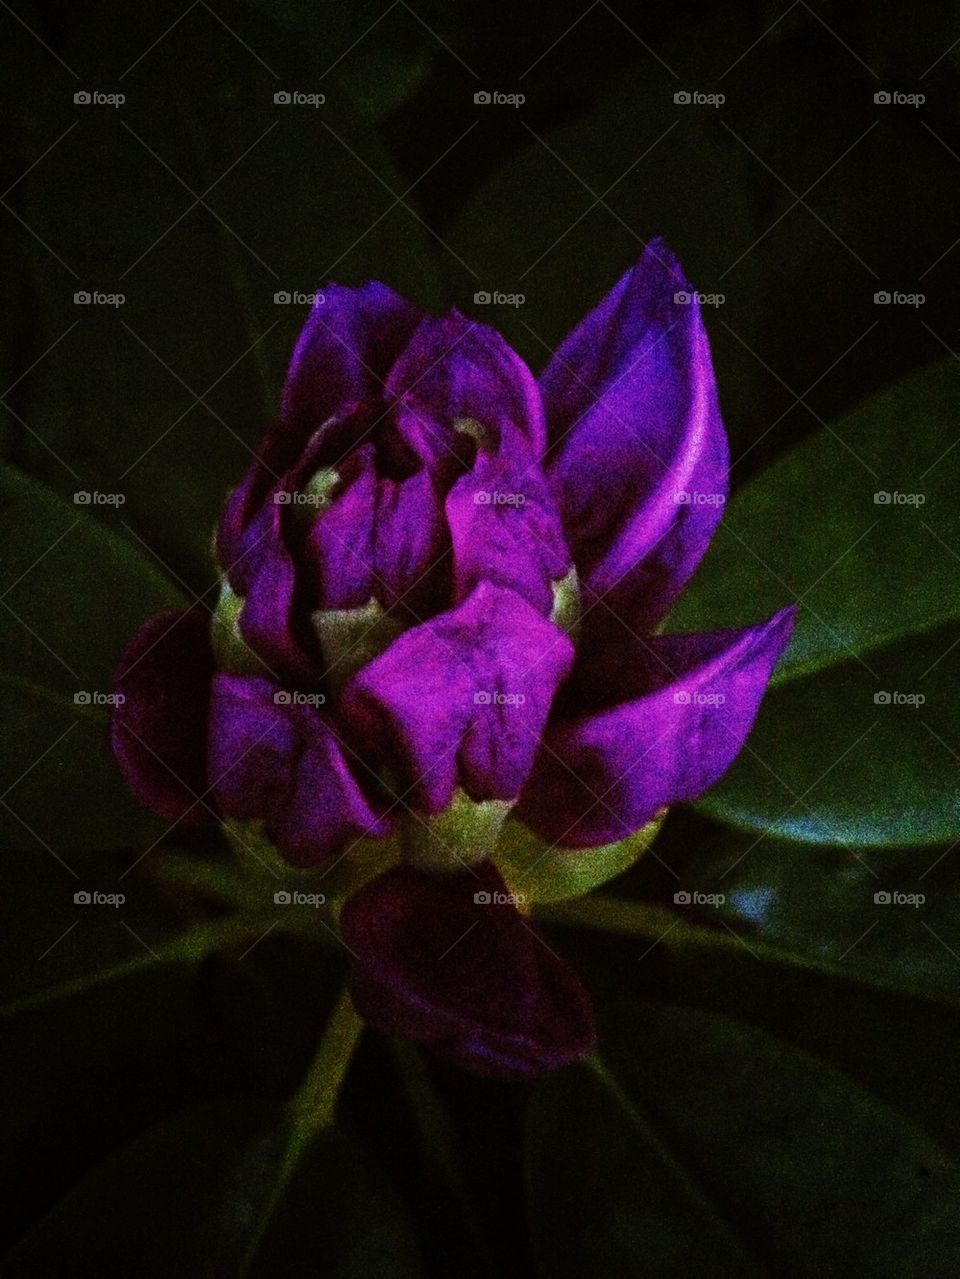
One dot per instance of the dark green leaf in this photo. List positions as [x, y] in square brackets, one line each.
[196, 1196]
[607, 1195]
[827, 763]
[810, 527]
[75, 592]
[199, 200]
[790, 1167]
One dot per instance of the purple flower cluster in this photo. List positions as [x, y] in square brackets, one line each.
[442, 583]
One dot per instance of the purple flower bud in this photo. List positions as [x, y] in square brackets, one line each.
[441, 583]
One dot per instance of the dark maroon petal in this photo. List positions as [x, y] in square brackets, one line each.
[456, 370]
[639, 453]
[159, 731]
[449, 961]
[604, 775]
[506, 530]
[344, 353]
[462, 698]
[277, 760]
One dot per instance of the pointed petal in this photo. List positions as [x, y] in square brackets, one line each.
[603, 775]
[639, 453]
[457, 370]
[344, 353]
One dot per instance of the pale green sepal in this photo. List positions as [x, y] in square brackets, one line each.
[352, 637]
[545, 873]
[464, 834]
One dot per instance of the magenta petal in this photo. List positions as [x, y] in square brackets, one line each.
[463, 698]
[269, 616]
[159, 731]
[344, 353]
[469, 978]
[639, 451]
[279, 761]
[505, 530]
[603, 775]
[455, 369]
[380, 538]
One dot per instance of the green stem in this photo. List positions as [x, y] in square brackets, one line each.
[311, 1110]
[315, 1103]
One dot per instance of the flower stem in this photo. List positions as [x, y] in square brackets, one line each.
[314, 1105]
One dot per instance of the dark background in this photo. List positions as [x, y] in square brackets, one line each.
[199, 199]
